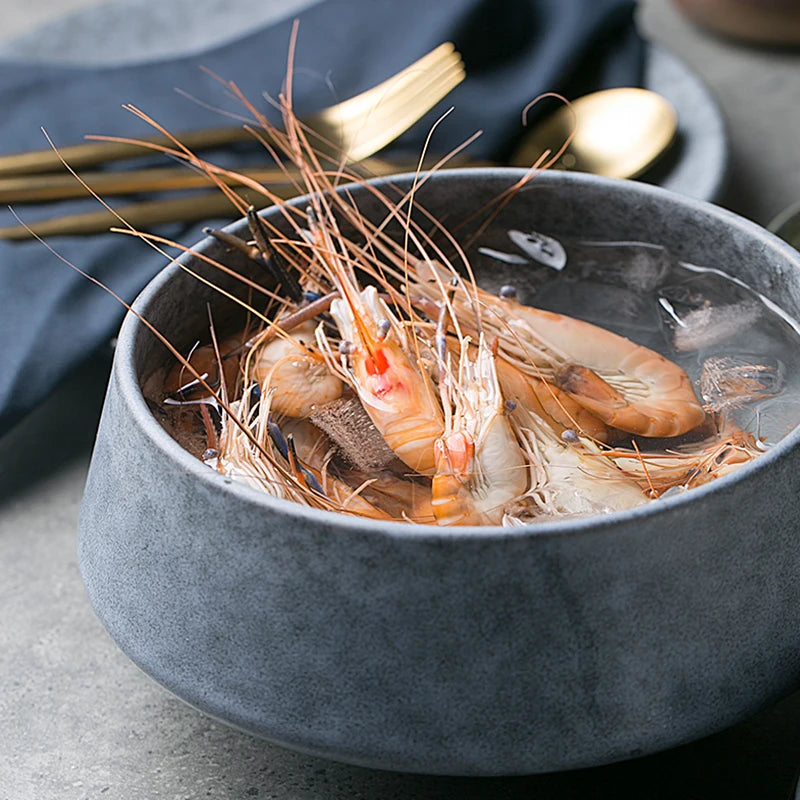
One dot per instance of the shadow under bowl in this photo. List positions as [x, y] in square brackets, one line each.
[470, 651]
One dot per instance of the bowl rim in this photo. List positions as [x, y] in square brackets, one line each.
[131, 392]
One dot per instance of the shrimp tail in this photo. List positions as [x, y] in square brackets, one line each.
[454, 459]
[588, 388]
[652, 418]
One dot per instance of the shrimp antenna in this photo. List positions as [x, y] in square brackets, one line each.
[653, 491]
[270, 258]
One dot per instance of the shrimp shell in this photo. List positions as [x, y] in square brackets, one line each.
[315, 450]
[570, 478]
[480, 468]
[300, 375]
[549, 403]
[692, 465]
[181, 383]
[625, 385]
[398, 396]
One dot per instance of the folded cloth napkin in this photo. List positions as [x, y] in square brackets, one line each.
[51, 318]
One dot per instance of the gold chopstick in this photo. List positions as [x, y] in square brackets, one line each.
[90, 154]
[138, 215]
[440, 69]
[189, 208]
[46, 188]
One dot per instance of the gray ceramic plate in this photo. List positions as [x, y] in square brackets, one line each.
[134, 30]
[697, 165]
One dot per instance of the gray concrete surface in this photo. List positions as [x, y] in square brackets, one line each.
[79, 722]
[21, 19]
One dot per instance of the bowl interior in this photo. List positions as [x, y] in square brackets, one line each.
[569, 207]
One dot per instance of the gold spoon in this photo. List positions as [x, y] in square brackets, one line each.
[619, 133]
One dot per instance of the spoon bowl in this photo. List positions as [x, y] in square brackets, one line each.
[618, 133]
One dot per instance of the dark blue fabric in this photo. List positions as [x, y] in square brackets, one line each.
[51, 318]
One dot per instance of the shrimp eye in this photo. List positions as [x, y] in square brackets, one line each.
[277, 438]
[508, 291]
[384, 326]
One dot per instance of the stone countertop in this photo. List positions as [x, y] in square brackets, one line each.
[78, 720]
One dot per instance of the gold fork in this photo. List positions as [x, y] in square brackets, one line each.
[353, 129]
[358, 127]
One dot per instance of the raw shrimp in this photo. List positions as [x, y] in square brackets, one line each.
[549, 403]
[381, 495]
[252, 459]
[292, 467]
[480, 468]
[377, 362]
[292, 365]
[626, 385]
[404, 499]
[311, 448]
[690, 465]
[571, 477]
[181, 386]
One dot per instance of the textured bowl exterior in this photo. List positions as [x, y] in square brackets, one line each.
[461, 651]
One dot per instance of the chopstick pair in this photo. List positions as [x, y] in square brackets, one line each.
[352, 130]
[186, 208]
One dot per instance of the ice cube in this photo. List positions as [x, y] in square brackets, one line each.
[699, 315]
[774, 419]
[733, 381]
[621, 310]
[638, 266]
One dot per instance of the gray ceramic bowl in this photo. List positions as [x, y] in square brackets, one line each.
[464, 651]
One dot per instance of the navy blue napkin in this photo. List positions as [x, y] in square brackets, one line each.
[51, 319]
